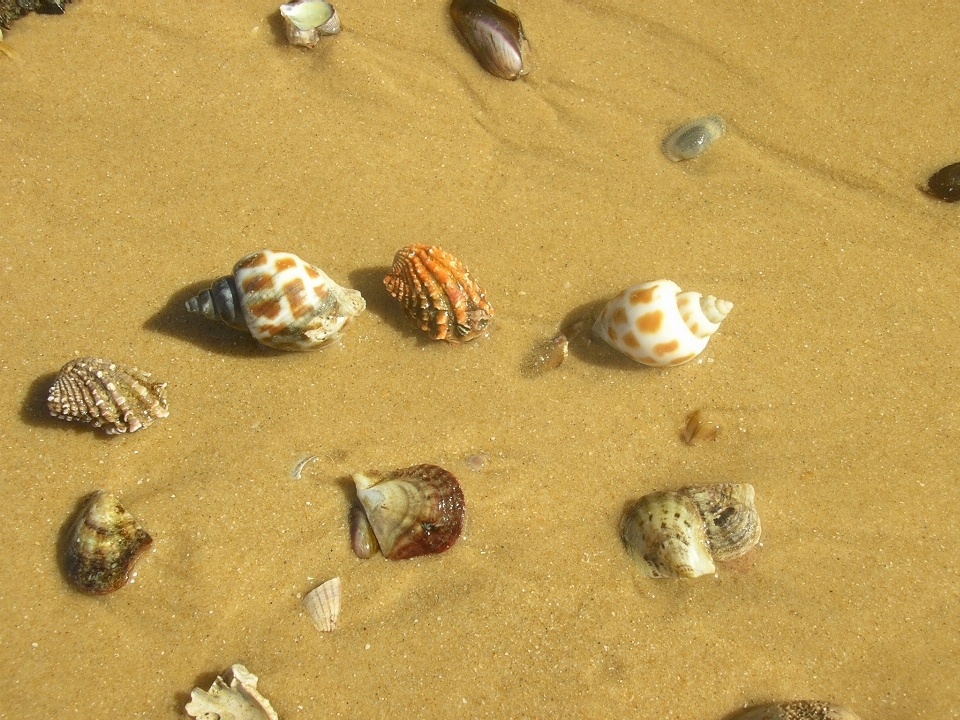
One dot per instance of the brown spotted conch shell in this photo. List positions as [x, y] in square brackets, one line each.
[282, 300]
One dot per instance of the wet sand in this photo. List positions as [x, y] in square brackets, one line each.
[145, 149]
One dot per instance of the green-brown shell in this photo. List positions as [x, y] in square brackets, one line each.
[103, 546]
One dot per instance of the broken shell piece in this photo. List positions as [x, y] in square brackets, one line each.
[104, 545]
[237, 701]
[798, 710]
[307, 21]
[323, 605]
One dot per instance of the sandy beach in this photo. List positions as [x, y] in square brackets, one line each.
[147, 147]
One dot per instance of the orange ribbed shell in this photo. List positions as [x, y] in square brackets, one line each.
[437, 292]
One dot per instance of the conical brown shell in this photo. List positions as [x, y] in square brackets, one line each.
[437, 292]
[414, 511]
[664, 533]
[103, 546]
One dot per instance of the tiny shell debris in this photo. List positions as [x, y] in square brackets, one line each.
[944, 184]
[103, 546]
[306, 21]
[547, 355]
[239, 700]
[106, 394]
[695, 430]
[798, 710]
[323, 605]
[693, 138]
[477, 461]
[301, 464]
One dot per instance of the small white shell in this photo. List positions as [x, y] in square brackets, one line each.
[306, 21]
[693, 138]
[658, 325]
[323, 605]
[237, 701]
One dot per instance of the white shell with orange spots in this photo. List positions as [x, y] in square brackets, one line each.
[290, 304]
[658, 325]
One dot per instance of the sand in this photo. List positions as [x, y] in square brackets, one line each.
[147, 147]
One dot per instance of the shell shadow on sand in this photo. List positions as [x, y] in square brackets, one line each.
[35, 412]
[577, 325]
[369, 281]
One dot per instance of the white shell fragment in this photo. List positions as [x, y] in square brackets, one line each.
[323, 605]
[693, 138]
[658, 325]
[306, 21]
[237, 701]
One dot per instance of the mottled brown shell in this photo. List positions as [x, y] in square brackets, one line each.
[665, 535]
[730, 514]
[106, 394]
[415, 511]
[436, 291]
[104, 544]
[798, 710]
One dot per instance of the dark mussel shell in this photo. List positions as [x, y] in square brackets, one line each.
[944, 184]
[494, 35]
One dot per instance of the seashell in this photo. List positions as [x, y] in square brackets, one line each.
[944, 184]
[362, 539]
[682, 534]
[306, 21]
[694, 430]
[656, 324]
[494, 35]
[664, 533]
[285, 302]
[103, 546]
[240, 700]
[105, 394]
[693, 138]
[437, 292]
[729, 512]
[323, 605]
[798, 710]
[414, 511]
